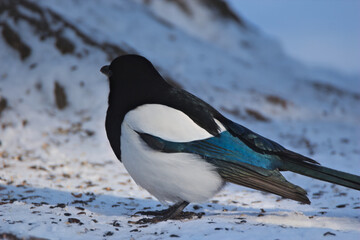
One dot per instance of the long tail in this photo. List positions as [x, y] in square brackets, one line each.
[323, 173]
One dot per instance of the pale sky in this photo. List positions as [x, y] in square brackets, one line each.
[317, 32]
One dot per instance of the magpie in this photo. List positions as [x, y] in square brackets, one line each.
[182, 150]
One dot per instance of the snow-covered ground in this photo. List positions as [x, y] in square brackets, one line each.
[58, 176]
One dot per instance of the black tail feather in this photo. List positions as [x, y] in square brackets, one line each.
[323, 173]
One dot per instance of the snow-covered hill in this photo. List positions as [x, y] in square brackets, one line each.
[58, 176]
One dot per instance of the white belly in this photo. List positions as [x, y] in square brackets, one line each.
[170, 177]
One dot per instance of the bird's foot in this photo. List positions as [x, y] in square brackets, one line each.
[174, 212]
[180, 216]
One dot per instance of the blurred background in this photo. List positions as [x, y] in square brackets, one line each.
[288, 70]
[322, 33]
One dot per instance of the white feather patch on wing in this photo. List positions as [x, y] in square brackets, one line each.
[167, 123]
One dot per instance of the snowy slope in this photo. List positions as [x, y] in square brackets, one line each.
[59, 178]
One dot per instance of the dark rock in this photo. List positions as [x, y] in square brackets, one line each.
[60, 96]
[116, 224]
[329, 234]
[108, 234]
[341, 205]
[256, 115]
[276, 100]
[75, 220]
[3, 104]
[14, 41]
[222, 9]
[64, 45]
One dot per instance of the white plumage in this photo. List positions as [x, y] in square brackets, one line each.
[170, 177]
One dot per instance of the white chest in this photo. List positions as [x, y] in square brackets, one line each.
[168, 176]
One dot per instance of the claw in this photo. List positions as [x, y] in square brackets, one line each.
[174, 212]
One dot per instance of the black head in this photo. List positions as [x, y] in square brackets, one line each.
[131, 70]
[133, 81]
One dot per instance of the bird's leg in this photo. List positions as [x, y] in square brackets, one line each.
[173, 212]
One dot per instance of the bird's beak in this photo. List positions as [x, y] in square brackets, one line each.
[105, 70]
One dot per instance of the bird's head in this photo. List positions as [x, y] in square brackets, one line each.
[134, 78]
[130, 70]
